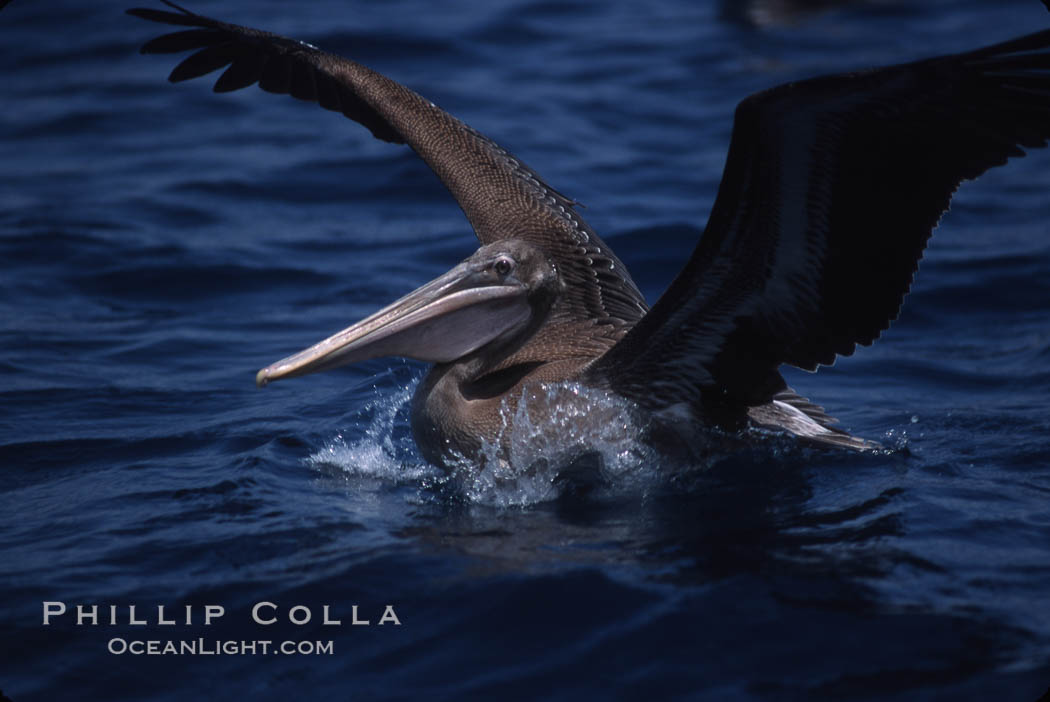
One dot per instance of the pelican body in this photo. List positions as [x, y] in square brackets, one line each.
[831, 190]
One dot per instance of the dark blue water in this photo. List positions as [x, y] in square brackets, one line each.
[160, 244]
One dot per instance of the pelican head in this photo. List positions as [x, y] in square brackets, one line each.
[496, 297]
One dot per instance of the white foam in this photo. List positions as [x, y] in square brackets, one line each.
[385, 451]
[522, 466]
[897, 441]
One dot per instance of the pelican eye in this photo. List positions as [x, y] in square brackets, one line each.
[503, 265]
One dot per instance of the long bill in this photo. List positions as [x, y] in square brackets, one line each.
[440, 322]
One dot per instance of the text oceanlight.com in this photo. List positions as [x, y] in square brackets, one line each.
[212, 647]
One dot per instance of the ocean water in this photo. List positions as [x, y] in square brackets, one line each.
[160, 244]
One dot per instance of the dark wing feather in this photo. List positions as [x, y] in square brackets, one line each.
[502, 197]
[831, 189]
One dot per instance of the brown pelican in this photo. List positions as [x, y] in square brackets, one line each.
[831, 189]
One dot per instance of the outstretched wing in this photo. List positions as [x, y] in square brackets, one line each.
[502, 197]
[831, 190]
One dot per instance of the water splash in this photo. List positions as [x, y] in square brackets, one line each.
[386, 451]
[558, 437]
[554, 438]
[896, 441]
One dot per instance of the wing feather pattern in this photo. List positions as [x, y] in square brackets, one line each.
[501, 197]
[831, 189]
